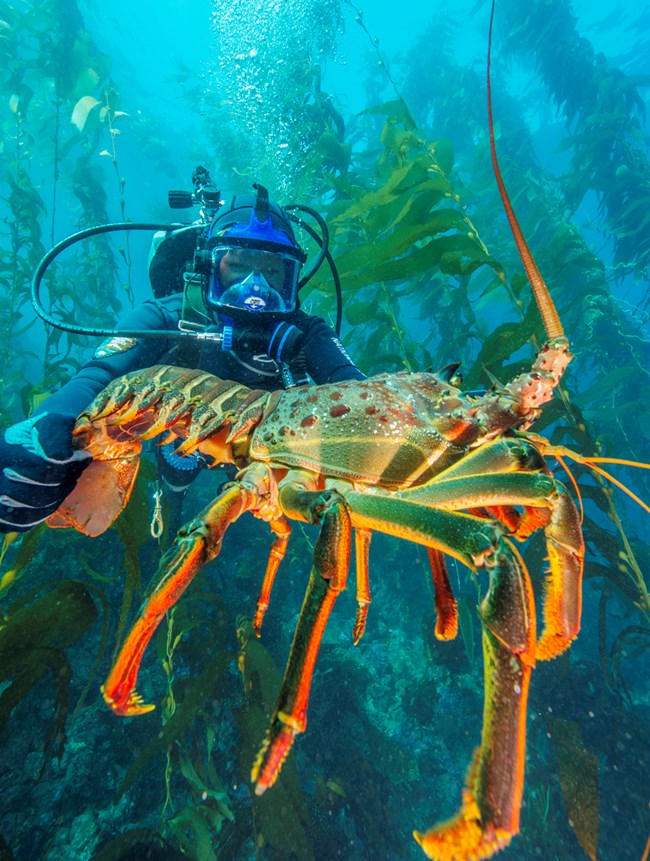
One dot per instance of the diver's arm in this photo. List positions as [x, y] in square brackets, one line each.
[112, 358]
[326, 357]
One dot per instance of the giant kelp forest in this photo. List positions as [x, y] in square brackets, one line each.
[429, 277]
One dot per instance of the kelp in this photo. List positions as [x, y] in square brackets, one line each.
[412, 223]
[605, 114]
[189, 740]
[197, 691]
[65, 113]
[577, 277]
[579, 781]
[281, 817]
[106, 115]
[196, 636]
[144, 841]
[47, 53]
[35, 633]
[25, 552]
[22, 247]
[198, 823]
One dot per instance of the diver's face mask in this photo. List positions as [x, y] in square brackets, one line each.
[250, 279]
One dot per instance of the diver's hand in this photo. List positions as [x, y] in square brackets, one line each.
[281, 341]
[285, 342]
[39, 468]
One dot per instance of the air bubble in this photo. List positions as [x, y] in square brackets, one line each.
[288, 41]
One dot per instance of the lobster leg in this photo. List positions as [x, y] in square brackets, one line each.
[282, 532]
[327, 580]
[362, 538]
[446, 607]
[565, 548]
[196, 544]
[519, 478]
[563, 587]
[489, 815]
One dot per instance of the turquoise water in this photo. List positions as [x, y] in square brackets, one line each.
[111, 105]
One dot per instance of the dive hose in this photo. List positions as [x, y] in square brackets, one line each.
[178, 334]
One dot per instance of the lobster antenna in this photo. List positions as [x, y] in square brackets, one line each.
[546, 306]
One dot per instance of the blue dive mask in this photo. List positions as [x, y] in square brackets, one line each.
[249, 279]
[255, 267]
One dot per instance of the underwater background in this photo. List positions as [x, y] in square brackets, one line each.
[106, 106]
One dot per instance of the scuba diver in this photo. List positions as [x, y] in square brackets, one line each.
[230, 280]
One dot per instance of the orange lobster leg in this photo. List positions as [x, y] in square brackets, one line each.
[489, 815]
[362, 538]
[282, 532]
[563, 586]
[327, 580]
[446, 607]
[520, 478]
[195, 545]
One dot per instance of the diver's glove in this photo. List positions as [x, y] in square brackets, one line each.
[281, 341]
[285, 343]
[39, 468]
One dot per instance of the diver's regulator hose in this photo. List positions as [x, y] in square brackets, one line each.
[178, 334]
[106, 333]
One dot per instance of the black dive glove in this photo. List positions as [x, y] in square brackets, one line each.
[281, 341]
[39, 468]
[285, 343]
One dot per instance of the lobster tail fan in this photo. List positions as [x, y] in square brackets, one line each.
[110, 481]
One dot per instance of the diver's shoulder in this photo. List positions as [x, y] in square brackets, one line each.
[155, 313]
[173, 303]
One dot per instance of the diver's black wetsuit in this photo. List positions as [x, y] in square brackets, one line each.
[325, 358]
